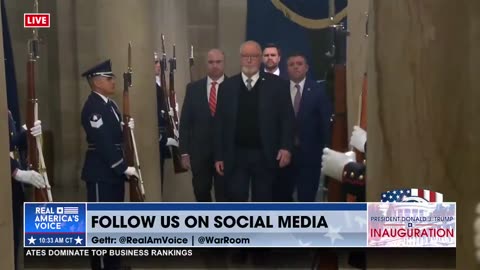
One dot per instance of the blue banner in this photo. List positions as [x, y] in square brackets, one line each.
[187, 225]
[55, 225]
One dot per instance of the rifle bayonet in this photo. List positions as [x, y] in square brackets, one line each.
[33, 43]
[128, 74]
[191, 56]
[173, 61]
[192, 62]
[163, 62]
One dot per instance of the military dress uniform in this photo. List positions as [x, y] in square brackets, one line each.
[353, 182]
[354, 178]
[162, 116]
[18, 141]
[104, 167]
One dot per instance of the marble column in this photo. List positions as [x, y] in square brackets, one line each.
[232, 24]
[6, 225]
[423, 113]
[203, 24]
[357, 47]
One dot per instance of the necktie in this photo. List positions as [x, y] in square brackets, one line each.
[212, 100]
[249, 84]
[296, 100]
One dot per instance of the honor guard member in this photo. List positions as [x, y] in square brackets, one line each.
[162, 114]
[18, 142]
[353, 175]
[344, 167]
[105, 170]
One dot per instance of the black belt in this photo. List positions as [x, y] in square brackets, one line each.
[93, 147]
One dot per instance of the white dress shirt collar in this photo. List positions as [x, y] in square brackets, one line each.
[276, 72]
[293, 89]
[254, 78]
[209, 85]
[219, 81]
[102, 96]
[301, 83]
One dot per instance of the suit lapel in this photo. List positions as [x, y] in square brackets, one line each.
[307, 91]
[262, 95]
[235, 95]
[203, 96]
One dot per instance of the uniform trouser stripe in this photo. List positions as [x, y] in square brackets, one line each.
[97, 199]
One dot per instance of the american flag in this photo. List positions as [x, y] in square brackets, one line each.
[411, 195]
[70, 210]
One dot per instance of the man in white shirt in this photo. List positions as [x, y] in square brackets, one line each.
[271, 60]
[196, 129]
[312, 110]
[253, 128]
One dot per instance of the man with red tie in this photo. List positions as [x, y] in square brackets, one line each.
[196, 129]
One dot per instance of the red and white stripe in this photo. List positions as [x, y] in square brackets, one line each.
[428, 195]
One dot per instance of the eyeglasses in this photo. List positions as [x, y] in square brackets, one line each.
[250, 57]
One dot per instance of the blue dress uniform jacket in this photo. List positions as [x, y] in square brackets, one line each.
[104, 160]
[162, 123]
[18, 141]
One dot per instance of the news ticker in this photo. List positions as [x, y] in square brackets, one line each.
[208, 225]
[122, 252]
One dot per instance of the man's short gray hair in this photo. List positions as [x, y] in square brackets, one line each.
[251, 42]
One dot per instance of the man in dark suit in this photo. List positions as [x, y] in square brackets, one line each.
[105, 169]
[312, 133]
[162, 121]
[272, 56]
[196, 129]
[253, 128]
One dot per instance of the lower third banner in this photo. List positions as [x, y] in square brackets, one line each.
[187, 225]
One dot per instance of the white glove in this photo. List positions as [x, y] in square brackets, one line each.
[172, 142]
[36, 130]
[30, 177]
[476, 239]
[358, 138]
[131, 123]
[131, 171]
[333, 162]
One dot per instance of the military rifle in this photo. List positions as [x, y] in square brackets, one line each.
[35, 157]
[137, 191]
[172, 107]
